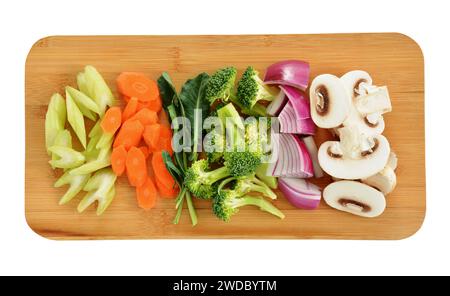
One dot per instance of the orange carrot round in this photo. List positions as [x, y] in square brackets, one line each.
[162, 175]
[145, 117]
[167, 192]
[155, 105]
[137, 85]
[129, 135]
[165, 139]
[118, 160]
[147, 194]
[130, 109]
[151, 136]
[112, 120]
[136, 167]
[145, 150]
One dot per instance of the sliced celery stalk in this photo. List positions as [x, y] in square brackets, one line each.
[103, 160]
[55, 119]
[96, 130]
[92, 152]
[87, 112]
[76, 185]
[64, 139]
[98, 89]
[100, 188]
[82, 100]
[76, 120]
[105, 141]
[82, 84]
[68, 157]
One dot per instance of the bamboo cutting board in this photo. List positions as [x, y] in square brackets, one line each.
[392, 59]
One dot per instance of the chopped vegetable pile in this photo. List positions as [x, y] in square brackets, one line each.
[228, 139]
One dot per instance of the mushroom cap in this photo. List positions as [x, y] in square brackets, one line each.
[344, 167]
[329, 102]
[352, 79]
[355, 198]
[385, 181]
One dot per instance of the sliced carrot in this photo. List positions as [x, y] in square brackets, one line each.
[118, 160]
[145, 150]
[162, 175]
[136, 167]
[145, 116]
[112, 120]
[151, 136]
[155, 105]
[165, 139]
[164, 119]
[147, 194]
[167, 192]
[137, 85]
[129, 135]
[130, 109]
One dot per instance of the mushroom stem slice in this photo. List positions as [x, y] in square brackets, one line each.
[366, 164]
[377, 102]
[355, 198]
[329, 101]
[385, 181]
[392, 161]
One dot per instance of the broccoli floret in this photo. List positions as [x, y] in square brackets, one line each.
[241, 164]
[200, 181]
[253, 184]
[252, 89]
[220, 85]
[227, 202]
[216, 144]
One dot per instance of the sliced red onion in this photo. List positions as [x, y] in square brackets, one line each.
[290, 124]
[294, 160]
[298, 100]
[294, 73]
[312, 149]
[277, 104]
[300, 193]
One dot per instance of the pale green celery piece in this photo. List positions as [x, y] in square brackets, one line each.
[229, 111]
[76, 185]
[64, 139]
[55, 119]
[100, 188]
[105, 141]
[82, 99]
[82, 84]
[76, 120]
[103, 160]
[98, 88]
[91, 153]
[96, 130]
[261, 173]
[68, 157]
[82, 106]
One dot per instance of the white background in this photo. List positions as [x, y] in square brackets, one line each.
[23, 252]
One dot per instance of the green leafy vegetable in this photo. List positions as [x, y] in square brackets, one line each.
[166, 89]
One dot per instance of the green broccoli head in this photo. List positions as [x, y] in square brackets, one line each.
[252, 89]
[220, 85]
[241, 164]
[200, 181]
[227, 202]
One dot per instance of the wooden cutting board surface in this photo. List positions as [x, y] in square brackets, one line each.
[392, 59]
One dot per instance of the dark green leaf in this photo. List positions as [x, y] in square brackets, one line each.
[173, 170]
[166, 89]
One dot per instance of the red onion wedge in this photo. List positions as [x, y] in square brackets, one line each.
[277, 104]
[298, 100]
[312, 150]
[290, 72]
[300, 193]
[290, 124]
[293, 159]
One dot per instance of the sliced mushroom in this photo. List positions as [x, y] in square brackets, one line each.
[329, 101]
[355, 198]
[384, 181]
[369, 102]
[392, 161]
[339, 163]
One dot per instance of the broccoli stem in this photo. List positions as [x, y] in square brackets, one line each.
[260, 185]
[191, 209]
[216, 175]
[263, 205]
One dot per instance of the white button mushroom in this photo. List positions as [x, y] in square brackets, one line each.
[355, 198]
[392, 161]
[329, 101]
[385, 181]
[337, 161]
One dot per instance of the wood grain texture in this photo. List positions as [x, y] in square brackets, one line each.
[392, 59]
